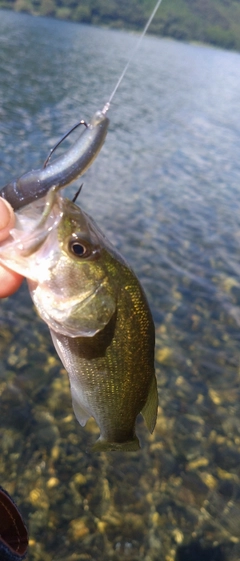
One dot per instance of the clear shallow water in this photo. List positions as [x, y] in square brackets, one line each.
[165, 189]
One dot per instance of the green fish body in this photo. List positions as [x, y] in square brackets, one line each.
[98, 317]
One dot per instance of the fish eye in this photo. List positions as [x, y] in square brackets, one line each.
[77, 248]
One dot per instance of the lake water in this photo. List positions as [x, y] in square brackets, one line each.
[165, 189]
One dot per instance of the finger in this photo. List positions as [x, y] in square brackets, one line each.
[9, 280]
[7, 219]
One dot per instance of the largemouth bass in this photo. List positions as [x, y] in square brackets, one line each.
[97, 314]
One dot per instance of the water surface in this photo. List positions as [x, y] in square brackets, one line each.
[165, 189]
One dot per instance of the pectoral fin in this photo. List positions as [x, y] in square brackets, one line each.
[80, 405]
[149, 411]
[81, 413]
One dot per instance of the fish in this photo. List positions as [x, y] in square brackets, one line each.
[97, 313]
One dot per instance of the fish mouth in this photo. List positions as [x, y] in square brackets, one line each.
[34, 226]
[47, 223]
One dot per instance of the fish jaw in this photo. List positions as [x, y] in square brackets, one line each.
[28, 250]
[36, 267]
[76, 316]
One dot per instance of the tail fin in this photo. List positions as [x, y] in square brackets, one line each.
[104, 446]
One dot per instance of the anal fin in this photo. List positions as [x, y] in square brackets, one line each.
[149, 411]
[81, 411]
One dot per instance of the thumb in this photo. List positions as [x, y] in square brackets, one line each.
[9, 280]
[7, 219]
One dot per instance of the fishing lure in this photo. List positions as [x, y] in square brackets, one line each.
[63, 170]
[75, 161]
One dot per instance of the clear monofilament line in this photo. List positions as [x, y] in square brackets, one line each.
[107, 105]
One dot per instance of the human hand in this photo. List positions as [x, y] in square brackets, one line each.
[9, 280]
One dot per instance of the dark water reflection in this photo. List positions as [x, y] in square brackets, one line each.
[166, 191]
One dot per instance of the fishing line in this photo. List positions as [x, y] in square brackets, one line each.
[107, 105]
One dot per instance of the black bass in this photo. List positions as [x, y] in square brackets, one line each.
[97, 313]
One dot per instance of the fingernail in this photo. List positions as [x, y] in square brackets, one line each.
[5, 214]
